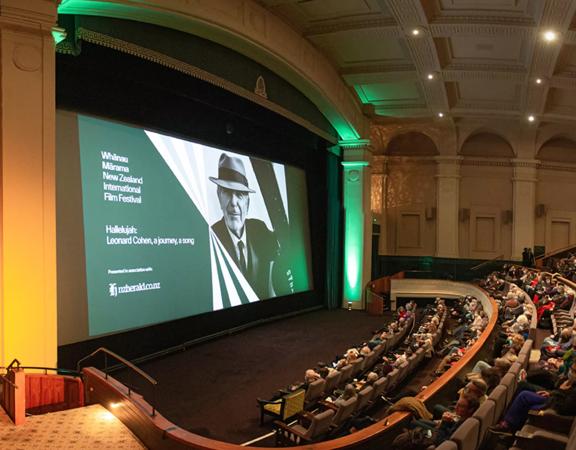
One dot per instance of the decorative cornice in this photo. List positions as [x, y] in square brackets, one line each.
[159, 58]
[35, 15]
[482, 27]
[558, 167]
[249, 28]
[484, 74]
[386, 25]
[475, 66]
[486, 163]
[380, 67]
[355, 144]
[526, 163]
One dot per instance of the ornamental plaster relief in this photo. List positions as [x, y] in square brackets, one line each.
[244, 26]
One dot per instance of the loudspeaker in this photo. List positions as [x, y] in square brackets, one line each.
[541, 210]
[507, 216]
[430, 213]
[464, 214]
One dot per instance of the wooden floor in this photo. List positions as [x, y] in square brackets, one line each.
[91, 427]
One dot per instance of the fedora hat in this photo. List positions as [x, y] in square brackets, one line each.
[231, 174]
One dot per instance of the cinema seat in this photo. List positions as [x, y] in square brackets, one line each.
[332, 381]
[310, 427]
[314, 392]
[284, 407]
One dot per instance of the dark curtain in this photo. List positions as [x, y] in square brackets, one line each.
[333, 233]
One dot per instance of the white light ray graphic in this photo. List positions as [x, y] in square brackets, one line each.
[164, 145]
[248, 291]
[280, 174]
[230, 288]
[191, 170]
[216, 293]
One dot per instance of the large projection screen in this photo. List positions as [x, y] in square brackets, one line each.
[174, 228]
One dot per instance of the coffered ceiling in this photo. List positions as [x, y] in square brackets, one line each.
[461, 58]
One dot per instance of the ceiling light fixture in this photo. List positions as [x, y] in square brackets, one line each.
[531, 118]
[430, 76]
[550, 36]
[415, 32]
[539, 80]
[440, 114]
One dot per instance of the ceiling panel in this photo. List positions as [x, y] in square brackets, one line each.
[486, 48]
[361, 46]
[566, 59]
[561, 101]
[389, 93]
[480, 90]
[312, 12]
[509, 6]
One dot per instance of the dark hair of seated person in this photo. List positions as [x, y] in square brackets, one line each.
[491, 376]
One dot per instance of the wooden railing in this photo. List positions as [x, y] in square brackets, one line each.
[13, 392]
[39, 392]
[159, 433]
[540, 261]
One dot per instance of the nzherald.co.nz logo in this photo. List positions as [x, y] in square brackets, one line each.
[114, 290]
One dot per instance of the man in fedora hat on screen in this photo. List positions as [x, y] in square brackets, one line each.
[248, 241]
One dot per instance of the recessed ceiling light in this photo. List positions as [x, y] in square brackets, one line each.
[440, 114]
[531, 118]
[539, 80]
[550, 36]
[415, 32]
[430, 76]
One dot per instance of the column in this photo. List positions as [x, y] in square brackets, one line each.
[524, 203]
[357, 221]
[379, 190]
[447, 203]
[27, 183]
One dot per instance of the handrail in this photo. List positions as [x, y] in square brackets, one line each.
[7, 380]
[128, 364]
[556, 251]
[484, 263]
[359, 439]
[14, 361]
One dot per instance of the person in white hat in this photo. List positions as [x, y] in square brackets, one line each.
[248, 241]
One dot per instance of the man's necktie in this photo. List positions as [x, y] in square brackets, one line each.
[241, 257]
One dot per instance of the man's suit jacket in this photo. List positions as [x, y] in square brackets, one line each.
[262, 248]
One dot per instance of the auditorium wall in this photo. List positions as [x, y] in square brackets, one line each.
[497, 168]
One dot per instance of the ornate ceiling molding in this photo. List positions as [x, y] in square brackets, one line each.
[386, 25]
[245, 26]
[409, 13]
[462, 27]
[557, 15]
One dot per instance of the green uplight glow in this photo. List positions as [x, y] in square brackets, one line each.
[354, 231]
[353, 260]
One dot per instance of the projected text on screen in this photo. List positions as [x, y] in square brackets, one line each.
[174, 228]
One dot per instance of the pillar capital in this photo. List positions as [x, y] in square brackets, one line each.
[525, 170]
[33, 15]
[448, 166]
[356, 151]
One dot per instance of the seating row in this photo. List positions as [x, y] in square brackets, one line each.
[323, 423]
[289, 404]
[471, 434]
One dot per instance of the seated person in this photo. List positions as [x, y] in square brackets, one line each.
[349, 392]
[440, 430]
[310, 376]
[562, 400]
